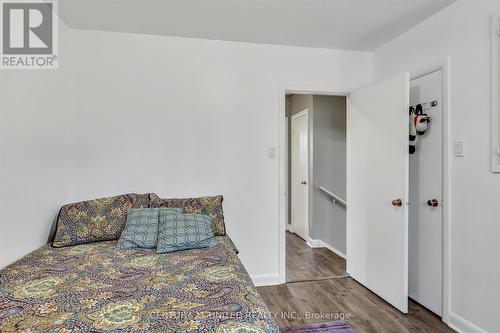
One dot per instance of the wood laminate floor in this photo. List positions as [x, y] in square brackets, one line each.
[305, 263]
[300, 303]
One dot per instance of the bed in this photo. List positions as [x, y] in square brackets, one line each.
[95, 287]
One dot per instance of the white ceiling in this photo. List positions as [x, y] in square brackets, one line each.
[338, 24]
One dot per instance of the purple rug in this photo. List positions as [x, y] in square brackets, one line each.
[333, 326]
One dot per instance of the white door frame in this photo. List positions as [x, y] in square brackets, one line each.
[287, 187]
[304, 112]
[336, 90]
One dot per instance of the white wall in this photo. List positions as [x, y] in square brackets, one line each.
[179, 117]
[187, 117]
[34, 105]
[462, 32]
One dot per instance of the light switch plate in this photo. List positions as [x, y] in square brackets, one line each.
[459, 149]
[271, 152]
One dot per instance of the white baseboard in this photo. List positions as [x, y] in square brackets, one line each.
[261, 280]
[462, 325]
[314, 243]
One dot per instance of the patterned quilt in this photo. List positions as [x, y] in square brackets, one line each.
[98, 288]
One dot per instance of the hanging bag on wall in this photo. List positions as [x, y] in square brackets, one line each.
[413, 131]
[422, 120]
[419, 123]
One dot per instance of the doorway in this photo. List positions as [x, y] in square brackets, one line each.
[316, 150]
[383, 244]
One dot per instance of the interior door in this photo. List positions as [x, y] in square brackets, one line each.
[426, 183]
[377, 189]
[300, 174]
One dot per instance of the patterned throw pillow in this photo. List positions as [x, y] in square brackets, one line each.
[95, 220]
[141, 228]
[178, 232]
[211, 206]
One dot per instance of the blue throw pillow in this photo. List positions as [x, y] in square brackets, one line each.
[141, 228]
[178, 232]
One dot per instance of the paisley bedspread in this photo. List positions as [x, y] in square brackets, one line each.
[98, 288]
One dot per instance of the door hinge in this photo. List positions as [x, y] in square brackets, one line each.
[498, 31]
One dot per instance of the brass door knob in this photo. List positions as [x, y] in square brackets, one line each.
[397, 202]
[433, 203]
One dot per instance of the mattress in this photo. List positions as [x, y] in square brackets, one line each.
[98, 288]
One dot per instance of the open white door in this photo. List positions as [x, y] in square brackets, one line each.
[377, 189]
